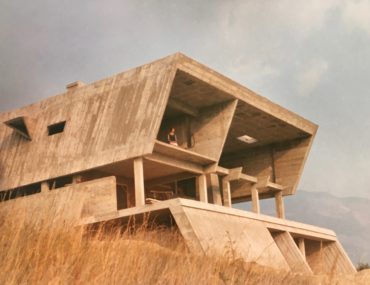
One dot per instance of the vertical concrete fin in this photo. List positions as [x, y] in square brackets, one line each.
[291, 252]
[186, 230]
[328, 257]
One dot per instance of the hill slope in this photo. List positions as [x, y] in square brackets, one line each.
[50, 251]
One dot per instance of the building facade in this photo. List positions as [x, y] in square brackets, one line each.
[108, 143]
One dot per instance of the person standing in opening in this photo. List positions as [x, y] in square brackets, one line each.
[172, 138]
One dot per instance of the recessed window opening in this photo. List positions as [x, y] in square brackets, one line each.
[122, 197]
[19, 125]
[56, 128]
[20, 192]
[60, 182]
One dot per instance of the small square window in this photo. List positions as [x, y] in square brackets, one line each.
[56, 128]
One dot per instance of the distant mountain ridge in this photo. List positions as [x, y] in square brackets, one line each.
[349, 217]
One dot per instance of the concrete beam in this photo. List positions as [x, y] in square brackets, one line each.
[169, 179]
[177, 163]
[234, 174]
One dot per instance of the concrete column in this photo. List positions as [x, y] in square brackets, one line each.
[226, 191]
[255, 199]
[45, 187]
[279, 203]
[201, 184]
[301, 246]
[139, 182]
[77, 179]
[215, 187]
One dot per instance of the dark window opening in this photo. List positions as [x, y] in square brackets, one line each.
[186, 188]
[20, 192]
[122, 198]
[60, 182]
[56, 128]
[19, 126]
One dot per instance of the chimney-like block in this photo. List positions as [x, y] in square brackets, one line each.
[74, 85]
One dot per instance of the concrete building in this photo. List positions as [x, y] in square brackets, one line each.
[102, 151]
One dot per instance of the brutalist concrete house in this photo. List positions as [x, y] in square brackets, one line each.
[102, 151]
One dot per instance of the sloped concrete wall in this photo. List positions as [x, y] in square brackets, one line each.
[222, 234]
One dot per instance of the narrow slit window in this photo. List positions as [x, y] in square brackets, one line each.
[56, 128]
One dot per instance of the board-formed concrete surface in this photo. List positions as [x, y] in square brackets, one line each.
[254, 237]
[99, 153]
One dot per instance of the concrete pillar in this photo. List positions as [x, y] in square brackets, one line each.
[301, 246]
[215, 188]
[45, 187]
[201, 184]
[139, 182]
[226, 191]
[255, 199]
[76, 179]
[279, 203]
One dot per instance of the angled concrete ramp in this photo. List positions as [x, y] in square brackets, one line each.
[220, 234]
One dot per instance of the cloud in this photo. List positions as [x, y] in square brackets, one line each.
[305, 16]
[311, 76]
[292, 16]
[263, 41]
[356, 14]
[277, 48]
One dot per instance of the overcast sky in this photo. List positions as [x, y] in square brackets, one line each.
[312, 57]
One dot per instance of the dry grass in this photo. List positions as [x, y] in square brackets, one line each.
[53, 252]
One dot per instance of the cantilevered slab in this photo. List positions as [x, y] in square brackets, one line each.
[272, 223]
[215, 229]
[197, 70]
[181, 154]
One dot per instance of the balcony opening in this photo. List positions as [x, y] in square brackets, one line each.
[199, 113]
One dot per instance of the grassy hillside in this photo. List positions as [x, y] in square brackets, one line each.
[51, 251]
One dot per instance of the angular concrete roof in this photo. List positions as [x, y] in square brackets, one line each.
[119, 118]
